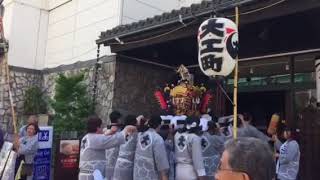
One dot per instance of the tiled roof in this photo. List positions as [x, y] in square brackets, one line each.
[205, 7]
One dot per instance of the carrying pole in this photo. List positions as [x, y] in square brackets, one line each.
[235, 86]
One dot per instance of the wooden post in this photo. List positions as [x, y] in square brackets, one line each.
[317, 66]
[7, 77]
[293, 121]
[8, 82]
[235, 88]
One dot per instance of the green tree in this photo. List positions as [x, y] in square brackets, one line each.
[34, 102]
[71, 104]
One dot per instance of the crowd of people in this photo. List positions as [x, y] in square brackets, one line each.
[185, 148]
[173, 148]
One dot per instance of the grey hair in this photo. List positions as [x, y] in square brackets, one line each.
[252, 156]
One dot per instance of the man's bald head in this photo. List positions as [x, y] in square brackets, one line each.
[33, 119]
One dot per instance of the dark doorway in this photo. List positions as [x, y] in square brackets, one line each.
[261, 105]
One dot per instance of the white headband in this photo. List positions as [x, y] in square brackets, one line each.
[193, 125]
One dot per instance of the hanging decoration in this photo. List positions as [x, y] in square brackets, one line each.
[218, 46]
[218, 43]
[273, 124]
[185, 98]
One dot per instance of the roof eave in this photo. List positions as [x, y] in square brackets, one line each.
[111, 39]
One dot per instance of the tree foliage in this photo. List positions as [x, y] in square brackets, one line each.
[34, 102]
[71, 104]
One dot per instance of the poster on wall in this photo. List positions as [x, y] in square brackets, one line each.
[218, 44]
[8, 172]
[42, 163]
[67, 161]
[318, 80]
[69, 151]
[4, 155]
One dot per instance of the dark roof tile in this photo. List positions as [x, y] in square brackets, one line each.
[165, 17]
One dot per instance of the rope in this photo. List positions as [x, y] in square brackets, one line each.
[155, 37]
[259, 9]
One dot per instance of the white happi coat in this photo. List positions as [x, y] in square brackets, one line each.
[92, 154]
[111, 158]
[124, 165]
[189, 159]
[212, 148]
[288, 162]
[150, 157]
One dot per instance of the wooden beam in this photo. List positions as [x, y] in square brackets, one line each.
[272, 87]
[294, 119]
[283, 9]
[142, 41]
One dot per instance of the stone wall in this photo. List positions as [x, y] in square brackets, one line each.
[21, 79]
[135, 85]
[125, 85]
[24, 78]
[105, 83]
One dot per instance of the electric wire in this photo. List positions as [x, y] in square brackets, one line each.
[187, 24]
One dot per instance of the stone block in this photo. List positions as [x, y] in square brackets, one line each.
[2, 111]
[111, 79]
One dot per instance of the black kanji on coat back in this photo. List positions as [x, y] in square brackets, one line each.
[145, 140]
[83, 143]
[182, 142]
[204, 143]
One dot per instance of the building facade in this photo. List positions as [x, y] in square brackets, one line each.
[48, 37]
[140, 51]
[49, 33]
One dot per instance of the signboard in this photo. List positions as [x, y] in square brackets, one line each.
[67, 161]
[42, 163]
[4, 155]
[69, 151]
[218, 43]
[8, 172]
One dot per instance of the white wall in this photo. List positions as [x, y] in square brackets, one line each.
[49, 33]
[25, 28]
[55, 3]
[187, 3]
[135, 10]
[74, 27]
[39, 4]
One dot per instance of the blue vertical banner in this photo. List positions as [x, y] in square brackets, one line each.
[42, 162]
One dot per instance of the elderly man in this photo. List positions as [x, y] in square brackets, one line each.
[246, 159]
[247, 130]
